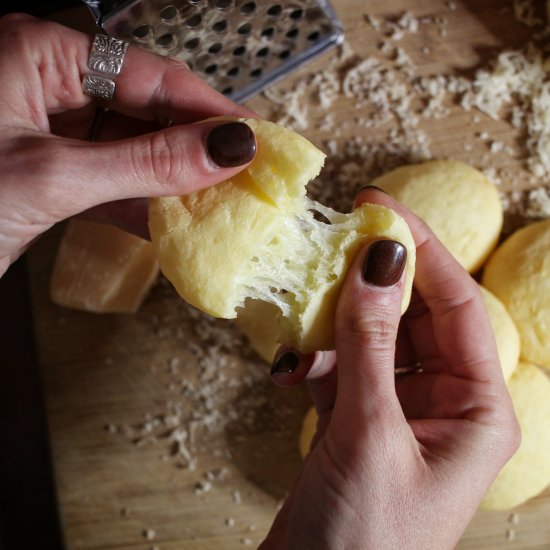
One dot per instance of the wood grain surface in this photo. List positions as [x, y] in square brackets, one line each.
[123, 479]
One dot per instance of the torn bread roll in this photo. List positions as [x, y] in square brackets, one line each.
[255, 237]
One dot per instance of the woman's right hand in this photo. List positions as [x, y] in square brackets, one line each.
[399, 460]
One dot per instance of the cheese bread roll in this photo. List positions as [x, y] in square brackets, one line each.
[255, 237]
[461, 206]
[506, 333]
[527, 473]
[518, 274]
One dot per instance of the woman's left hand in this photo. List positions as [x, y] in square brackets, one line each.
[51, 171]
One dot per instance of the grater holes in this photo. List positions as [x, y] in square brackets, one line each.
[297, 14]
[256, 73]
[248, 8]
[245, 29]
[264, 52]
[223, 4]
[220, 26]
[228, 90]
[275, 10]
[292, 33]
[215, 48]
[268, 32]
[211, 69]
[191, 44]
[168, 13]
[194, 21]
[239, 51]
[165, 41]
[313, 36]
[141, 32]
[285, 54]
[233, 72]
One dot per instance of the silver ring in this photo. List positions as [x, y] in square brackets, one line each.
[106, 58]
[98, 86]
[415, 368]
[107, 55]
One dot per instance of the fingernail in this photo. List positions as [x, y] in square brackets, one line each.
[287, 363]
[231, 144]
[384, 263]
[372, 188]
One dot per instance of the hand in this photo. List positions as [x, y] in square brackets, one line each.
[399, 460]
[49, 169]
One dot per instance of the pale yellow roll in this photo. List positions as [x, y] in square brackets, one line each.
[505, 331]
[458, 202]
[518, 274]
[527, 473]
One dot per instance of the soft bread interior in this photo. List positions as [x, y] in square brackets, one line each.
[255, 239]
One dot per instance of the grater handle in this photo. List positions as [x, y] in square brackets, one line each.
[101, 9]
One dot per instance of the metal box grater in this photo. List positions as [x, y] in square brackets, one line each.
[238, 46]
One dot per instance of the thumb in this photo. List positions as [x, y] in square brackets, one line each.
[173, 161]
[367, 319]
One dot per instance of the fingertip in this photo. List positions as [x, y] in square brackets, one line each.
[284, 366]
[369, 193]
[231, 144]
[384, 263]
[290, 367]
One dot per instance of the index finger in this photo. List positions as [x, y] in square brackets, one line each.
[460, 323]
[165, 88]
[52, 58]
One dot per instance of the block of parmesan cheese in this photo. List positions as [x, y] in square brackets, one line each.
[102, 269]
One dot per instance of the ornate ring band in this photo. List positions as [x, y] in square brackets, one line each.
[106, 58]
[98, 86]
[107, 55]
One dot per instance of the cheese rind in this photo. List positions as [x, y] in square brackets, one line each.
[102, 269]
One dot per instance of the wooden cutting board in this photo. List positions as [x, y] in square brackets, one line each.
[165, 429]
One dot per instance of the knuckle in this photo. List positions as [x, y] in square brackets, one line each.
[18, 30]
[14, 20]
[177, 67]
[163, 158]
[13, 31]
[373, 327]
[171, 79]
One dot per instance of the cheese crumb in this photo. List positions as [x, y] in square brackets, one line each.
[514, 518]
[149, 534]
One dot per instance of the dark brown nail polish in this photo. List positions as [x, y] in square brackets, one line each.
[287, 363]
[231, 144]
[384, 263]
[372, 188]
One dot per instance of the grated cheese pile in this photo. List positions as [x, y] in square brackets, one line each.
[201, 390]
[387, 93]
